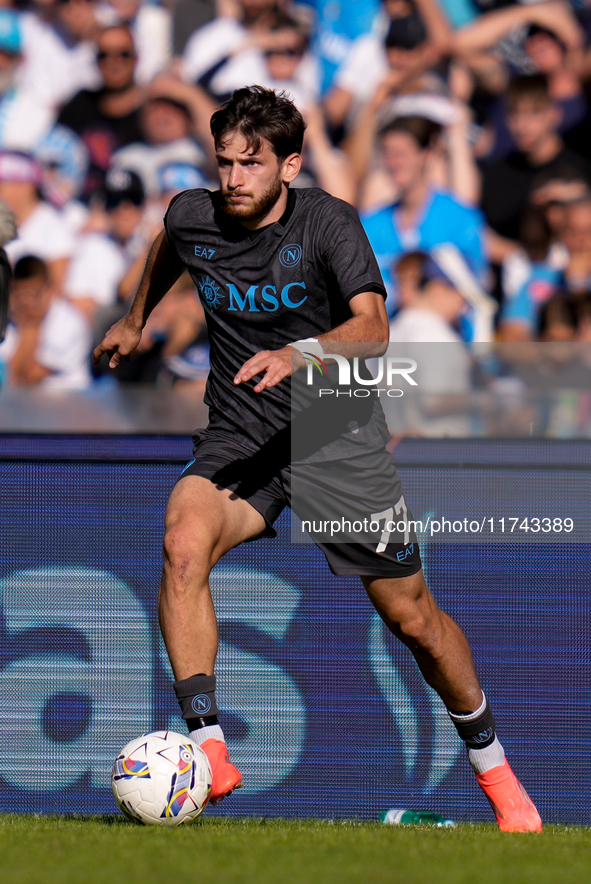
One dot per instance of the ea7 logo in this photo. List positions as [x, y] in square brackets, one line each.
[204, 252]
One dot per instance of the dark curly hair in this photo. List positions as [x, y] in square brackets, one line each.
[257, 114]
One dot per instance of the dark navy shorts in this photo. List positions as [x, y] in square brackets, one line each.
[360, 487]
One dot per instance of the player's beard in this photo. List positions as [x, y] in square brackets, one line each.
[259, 207]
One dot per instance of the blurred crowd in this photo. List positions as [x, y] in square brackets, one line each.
[460, 129]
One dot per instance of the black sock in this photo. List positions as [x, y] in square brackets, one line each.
[477, 732]
[196, 697]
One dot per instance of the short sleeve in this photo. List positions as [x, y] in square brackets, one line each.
[171, 213]
[347, 254]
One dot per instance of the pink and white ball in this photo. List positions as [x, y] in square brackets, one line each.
[161, 779]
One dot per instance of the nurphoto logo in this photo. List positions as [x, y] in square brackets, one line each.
[387, 369]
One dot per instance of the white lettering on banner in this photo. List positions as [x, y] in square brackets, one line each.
[446, 745]
[114, 636]
[116, 680]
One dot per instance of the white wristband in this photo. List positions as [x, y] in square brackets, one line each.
[309, 345]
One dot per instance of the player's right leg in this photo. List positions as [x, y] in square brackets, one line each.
[443, 655]
[203, 522]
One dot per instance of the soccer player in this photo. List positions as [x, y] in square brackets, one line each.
[281, 271]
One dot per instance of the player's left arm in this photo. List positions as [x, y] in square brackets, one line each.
[367, 324]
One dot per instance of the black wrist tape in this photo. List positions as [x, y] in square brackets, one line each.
[196, 696]
[479, 732]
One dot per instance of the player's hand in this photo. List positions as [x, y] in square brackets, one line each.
[276, 365]
[121, 339]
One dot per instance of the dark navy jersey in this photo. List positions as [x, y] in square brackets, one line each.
[265, 288]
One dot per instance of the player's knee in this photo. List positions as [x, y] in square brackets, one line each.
[421, 632]
[187, 554]
[420, 628]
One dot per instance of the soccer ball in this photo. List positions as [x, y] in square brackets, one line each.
[161, 779]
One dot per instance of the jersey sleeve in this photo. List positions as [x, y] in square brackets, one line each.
[171, 215]
[347, 254]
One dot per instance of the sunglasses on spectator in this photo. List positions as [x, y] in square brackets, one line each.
[121, 53]
[288, 51]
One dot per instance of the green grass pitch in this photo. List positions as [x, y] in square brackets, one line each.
[108, 850]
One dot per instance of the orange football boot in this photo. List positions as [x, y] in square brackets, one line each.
[225, 776]
[512, 806]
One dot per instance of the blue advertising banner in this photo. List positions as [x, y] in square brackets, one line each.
[325, 713]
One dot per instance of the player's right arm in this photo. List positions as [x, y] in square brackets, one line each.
[163, 268]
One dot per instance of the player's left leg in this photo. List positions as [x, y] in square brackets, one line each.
[439, 646]
[443, 655]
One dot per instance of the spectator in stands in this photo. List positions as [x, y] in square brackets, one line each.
[174, 116]
[275, 56]
[221, 38]
[173, 178]
[557, 322]
[337, 26]
[107, 118]
[544, 38]
[102, 259]
[48, 341]
[434, 306]
[151, 27]
[412, 88]
[23, 116]
[451, 165]
[551, 194]
[324, 165]
[283, 59]
[577, 239]
[284, 62]
[369, 61]
[65, 162]
[422, 216]
[42, 229]
[521, 307]
[433, 303]
[533, 119]
[59, 51]
[188, 16]
[583, 335]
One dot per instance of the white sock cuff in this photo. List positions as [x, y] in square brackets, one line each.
[487, 758]
[210, 732]
[471, 715]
